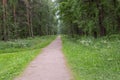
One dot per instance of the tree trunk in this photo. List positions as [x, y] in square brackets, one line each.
[15, 21]
[14, 14]
[5, 38]
[31, 26]
[101, 18]
[29, 18]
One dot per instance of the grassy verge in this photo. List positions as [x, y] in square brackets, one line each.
[91, 59]
[16, 55]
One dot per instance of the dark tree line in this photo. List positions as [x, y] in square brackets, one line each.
[90, 17]
[26, 18]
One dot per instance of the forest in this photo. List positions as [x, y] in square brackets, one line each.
[90, 17]
[82, 36]
[26, 18]
[92, 41]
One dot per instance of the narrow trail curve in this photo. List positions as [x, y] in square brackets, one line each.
[49, 65]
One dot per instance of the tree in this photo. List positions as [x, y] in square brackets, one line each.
[90, 17]
[26, 18]
[4, 5]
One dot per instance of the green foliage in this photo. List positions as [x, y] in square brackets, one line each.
[44, 18]
[90, 17]
[22, 44]
[26, 18]
[12, 63]
[93, 59]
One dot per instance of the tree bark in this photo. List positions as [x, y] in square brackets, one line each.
[5, 38]
[14, 14]
[101, 18]
[29, 18]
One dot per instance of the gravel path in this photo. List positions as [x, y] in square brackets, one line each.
[49, 65]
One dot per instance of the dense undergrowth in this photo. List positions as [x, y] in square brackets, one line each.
[16, 55]
[93, 59]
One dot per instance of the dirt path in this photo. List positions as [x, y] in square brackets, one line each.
[49, 65]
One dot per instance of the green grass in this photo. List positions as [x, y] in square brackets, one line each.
[16, 55]
[93, 59]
